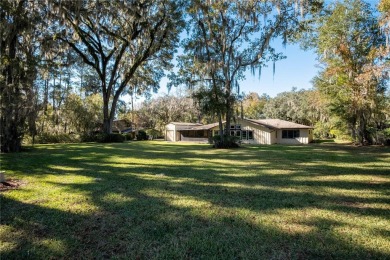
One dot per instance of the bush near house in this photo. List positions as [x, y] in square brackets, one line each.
[142, 135]
[153, 133]
[111, 138]
[129, 136]
[103, 138]
[227, 141]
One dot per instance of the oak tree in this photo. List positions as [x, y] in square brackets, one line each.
[226, 38]
[116, 38]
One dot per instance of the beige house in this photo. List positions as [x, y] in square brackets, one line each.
[173, 130]
[263, 131]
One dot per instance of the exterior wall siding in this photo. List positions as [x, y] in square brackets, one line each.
[310, 135]
[261, 135]
[170, 135]
[170, 132]
[303, 138]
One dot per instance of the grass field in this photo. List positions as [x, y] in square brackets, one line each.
[157, 200]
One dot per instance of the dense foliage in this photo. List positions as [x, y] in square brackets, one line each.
[229, 37]
[353, 49]
[47, 46]
[18, 71]
[65, 71]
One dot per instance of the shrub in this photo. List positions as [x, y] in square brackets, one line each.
[142, 135]
[226, 141]
[48, 138]
[110, 138]
[103, 138]
[382, 137]
[153, 133]
[89, 137]
[129, 136]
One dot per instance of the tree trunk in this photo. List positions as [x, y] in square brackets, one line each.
[107, 120]
[10, 95]
[364, 135]
[220, 124]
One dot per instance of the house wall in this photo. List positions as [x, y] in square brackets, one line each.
[170, 135]
[304, 137]
[310, 135]
[170, 132]
[261, 135]
[274, 135]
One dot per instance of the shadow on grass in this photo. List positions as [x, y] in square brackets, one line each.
[179, 201]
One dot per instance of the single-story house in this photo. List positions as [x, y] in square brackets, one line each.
[174, 131]
[262, 131]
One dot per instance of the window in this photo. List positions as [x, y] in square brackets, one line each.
[232, 133]
[244, 135]
[290, 134]
[232, 127]
[216, 132]
[201, 134]
[238, 133]
[238, 127]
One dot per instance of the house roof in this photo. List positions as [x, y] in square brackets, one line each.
[128, 130]
[204, 127]
[278, 124]
[185, 124]
[269, 123]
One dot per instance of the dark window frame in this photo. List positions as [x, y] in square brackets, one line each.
[291, 134]
[246, 135]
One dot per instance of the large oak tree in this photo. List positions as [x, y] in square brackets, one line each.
[18, 58]
[353, 49]
[229, 37]
[116, 38]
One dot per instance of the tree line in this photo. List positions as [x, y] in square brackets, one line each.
[304, 106]
[65, 65]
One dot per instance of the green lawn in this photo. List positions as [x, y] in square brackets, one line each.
[157, 200]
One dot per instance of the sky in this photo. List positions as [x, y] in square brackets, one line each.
[297, 70]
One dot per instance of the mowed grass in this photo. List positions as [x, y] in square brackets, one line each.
[158, 200]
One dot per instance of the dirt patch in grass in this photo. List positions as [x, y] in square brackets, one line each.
[11, 184]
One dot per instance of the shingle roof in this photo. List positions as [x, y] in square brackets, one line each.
[278, 124]
[205, 127]
[185, 124]
[269, 123]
